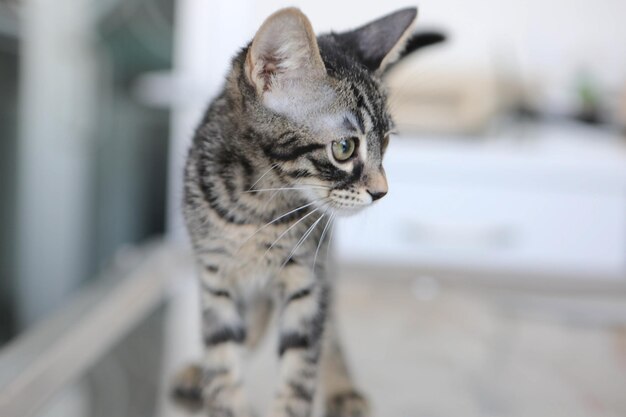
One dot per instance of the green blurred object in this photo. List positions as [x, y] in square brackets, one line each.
[9, 68]
[122, 143]
[136, 38]
[589, 99]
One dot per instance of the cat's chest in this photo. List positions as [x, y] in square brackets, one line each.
[256, 253]
[271, 246]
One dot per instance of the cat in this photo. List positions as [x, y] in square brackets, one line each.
[295, 139]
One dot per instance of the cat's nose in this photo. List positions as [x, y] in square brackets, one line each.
[377, 185]
[377, 195]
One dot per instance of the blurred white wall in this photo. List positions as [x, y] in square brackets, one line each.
[550, 40]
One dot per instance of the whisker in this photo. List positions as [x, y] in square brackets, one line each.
[301, 241]
[287, 231]
[264, 174]
[278, 218]
[285, 189]
[269, 200]
[274, 194]
[315, 185]
[330, 239]
[319, 244]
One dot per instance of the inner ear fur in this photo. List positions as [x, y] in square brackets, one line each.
[284, 48]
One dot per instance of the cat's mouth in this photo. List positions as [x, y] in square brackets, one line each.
[340, 201]
[348, 202]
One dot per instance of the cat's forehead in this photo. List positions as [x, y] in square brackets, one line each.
[349, 100]
[348, 106]
[360, 93]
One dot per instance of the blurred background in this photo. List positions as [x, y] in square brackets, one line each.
[491, 281]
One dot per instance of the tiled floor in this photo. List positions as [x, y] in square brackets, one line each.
[471, 354]
[419, 348]
[424, 350]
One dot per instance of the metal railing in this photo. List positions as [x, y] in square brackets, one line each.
[39, 364]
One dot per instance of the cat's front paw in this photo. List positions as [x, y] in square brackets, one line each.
[187, 388]
[347, 404]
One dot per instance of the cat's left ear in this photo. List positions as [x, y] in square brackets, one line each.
[383, 42]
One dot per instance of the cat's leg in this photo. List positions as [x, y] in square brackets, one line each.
[341, 397]
[187, 387]
[189, 382]
[224, 337]
[303, 303]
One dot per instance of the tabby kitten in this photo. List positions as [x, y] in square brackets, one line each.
[295, 139]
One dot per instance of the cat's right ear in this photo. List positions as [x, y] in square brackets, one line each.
[284, 49]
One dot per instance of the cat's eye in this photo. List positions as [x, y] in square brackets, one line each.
[344, 149]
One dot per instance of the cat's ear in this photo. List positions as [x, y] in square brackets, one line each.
[381, 42]
[416, 42]
[284, 48]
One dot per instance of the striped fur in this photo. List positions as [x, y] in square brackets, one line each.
[262, 189]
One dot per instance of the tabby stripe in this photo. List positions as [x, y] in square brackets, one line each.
[290, 261]
[327, 170]
[287, 138]
[217, 292]
[360, 121]
[312, 358]
[226, 334]
[319, 319]
[195, 393]
[305, 292]
[361, 103]
[362, 112]
[248, 171]
[284, 220]
[213, 200]
[345, 182]
[347, 123]
[307, 373]
[356, 172]
[293, 340]
[338, 400]
[191, 394]
[299, 173]
[294, 153]
[191, 198]
[300, 391]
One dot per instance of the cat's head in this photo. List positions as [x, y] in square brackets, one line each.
[329, 89]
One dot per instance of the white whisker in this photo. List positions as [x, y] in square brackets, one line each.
[287, 231]
[301, 241]
[285, 189]
[315, 185]
[319, 244]
[330, 240]
[261, 177]
[278, 218]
